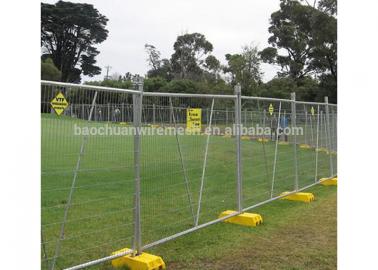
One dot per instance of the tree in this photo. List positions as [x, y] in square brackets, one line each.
[188, 60]
[304, 41]
[69, 32]
[308, 36]
[163, 71]
[49, 71]
[244, 68]
[212, 66]
[328, 6]
[153, 59]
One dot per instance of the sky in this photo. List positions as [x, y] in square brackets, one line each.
[228, 25]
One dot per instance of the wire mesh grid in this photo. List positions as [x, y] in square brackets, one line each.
[191, 175]
[90, 200]
[87, 179]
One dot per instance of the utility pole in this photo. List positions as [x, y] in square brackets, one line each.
[107, 72]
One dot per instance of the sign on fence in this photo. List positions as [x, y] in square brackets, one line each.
[59, 103]
[193, 119]
[271, 109]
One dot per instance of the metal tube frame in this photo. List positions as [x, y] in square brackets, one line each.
[238, 146]
[329, 135]
[137, 117]
[293, 127]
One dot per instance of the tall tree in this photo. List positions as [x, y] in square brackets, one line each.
[69, 32]
[191, 51]
[158, 67]
[307, 35]
[153, 58]
[244, 68]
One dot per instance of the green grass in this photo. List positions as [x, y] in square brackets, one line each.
[100, 219]
[294, 235]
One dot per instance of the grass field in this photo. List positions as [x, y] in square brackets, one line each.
[100, 218]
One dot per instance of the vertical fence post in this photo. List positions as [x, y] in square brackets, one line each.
[238, 150]
[317, 142]
[305, 127]
[226, 116]
[170, 114]
[293, 130]
[153, 114]
[329, 136]
[137, 117]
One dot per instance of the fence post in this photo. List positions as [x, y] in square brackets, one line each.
[137, 116]
[153, 113]
[318, 113]
[329, 136]
[305, 127]
[108, 112]
[226, 116]
[238, 141]
[293, 129]
[170, 114]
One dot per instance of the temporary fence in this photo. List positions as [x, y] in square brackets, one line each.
[116, 171]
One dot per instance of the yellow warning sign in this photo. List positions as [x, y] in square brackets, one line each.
[271, 109]
[193, 119]
[312, 111]
[59, 103]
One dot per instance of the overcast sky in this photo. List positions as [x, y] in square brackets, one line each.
[228, 25]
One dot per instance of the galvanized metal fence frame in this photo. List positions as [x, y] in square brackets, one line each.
[138, 95]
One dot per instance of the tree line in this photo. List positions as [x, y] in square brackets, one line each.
[302, 43]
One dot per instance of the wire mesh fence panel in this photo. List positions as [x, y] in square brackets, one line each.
[188, 177]
[87, 177]
[123, 168]
[267, 155]
[306, 154]
[323, 164]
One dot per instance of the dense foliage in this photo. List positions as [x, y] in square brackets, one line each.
[69, 32]
[302, 43]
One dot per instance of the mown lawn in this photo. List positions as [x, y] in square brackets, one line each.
[100, 219]
[294, 236]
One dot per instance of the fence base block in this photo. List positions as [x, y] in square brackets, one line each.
[328, 181]
[283, 143]
[245, 219]
[305, 146]
[299, 196]
[263, 140]
[322, 149]
[143, 261]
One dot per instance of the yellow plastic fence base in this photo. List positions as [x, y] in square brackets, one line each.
[283, 143]
[304, 146]
[299, 196]
[245, 138]
[328, 181]
[227, 136]
[245, 219]
[143, 261]
[322, 149]
[263, 140]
